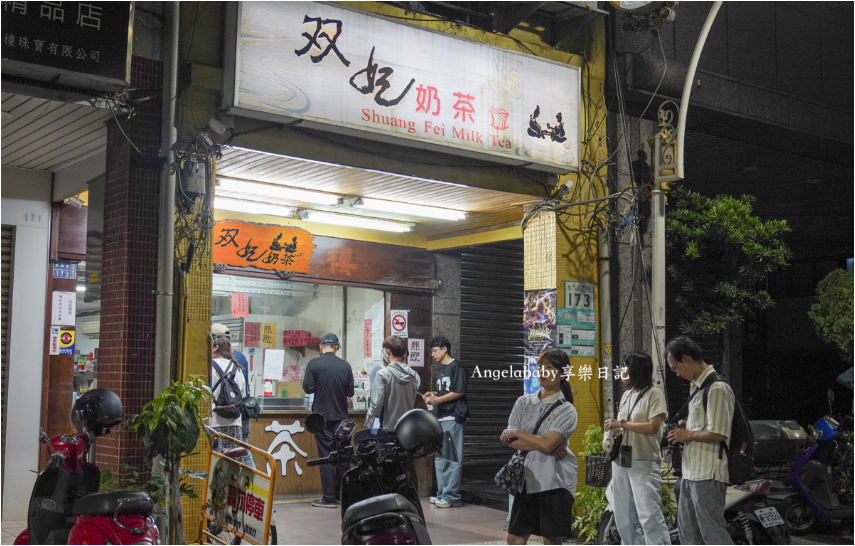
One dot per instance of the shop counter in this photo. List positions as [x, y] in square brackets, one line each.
[282, 433]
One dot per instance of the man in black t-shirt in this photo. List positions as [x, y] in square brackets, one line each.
[330, 379]
[450, 399]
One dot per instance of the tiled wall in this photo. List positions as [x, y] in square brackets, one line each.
[128, 304]
[539, 242]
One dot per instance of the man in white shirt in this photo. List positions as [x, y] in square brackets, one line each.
[700, 513]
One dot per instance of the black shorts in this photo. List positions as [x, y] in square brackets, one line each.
[548, 514]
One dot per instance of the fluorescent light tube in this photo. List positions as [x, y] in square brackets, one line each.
[281, 192]
[81, 288]
[407, 208]
[353, 221]
[252, 207]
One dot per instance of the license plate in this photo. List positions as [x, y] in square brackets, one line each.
[769, 517]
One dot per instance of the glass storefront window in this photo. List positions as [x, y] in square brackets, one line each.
[277, 325]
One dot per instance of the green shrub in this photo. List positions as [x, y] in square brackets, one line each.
[832, 314]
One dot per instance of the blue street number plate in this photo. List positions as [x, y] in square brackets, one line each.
[769, 517]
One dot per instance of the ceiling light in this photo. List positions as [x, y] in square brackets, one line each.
[281, 192]
[407, 208]
[81, 288]
[253, 207]
[353, 221]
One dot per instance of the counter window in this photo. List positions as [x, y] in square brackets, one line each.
[277, 325]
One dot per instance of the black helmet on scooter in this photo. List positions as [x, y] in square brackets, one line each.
[419, 429]
[97, 411]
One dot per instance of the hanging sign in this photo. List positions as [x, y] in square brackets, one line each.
[417, 353]
[64, 270]
[240, 304]
[399, 323]
[275, 248]
[344, 69]
[63, 308]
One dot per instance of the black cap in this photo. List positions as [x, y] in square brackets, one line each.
[330, 339]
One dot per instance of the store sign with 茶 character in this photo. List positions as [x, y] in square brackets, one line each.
[88, 44]
[275, 248]
[336, 68]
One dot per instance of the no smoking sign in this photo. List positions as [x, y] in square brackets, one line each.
[400, 323]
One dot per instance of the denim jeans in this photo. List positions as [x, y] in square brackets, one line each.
[700, 514]
[638, 503]
[448, 474]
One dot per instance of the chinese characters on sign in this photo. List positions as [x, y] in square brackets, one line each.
[344, 68]
[417, 353]
[245, 244]
[268, 335]
[252, 334]
[87, 37]
[238, 498]
[240, 304]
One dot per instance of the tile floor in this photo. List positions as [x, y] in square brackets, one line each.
[10, 530]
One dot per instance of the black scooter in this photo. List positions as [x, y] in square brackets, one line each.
[379, 496]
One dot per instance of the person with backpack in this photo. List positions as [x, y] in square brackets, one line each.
[700, 513]
[227, 391]
[636, 476]
[240, 358]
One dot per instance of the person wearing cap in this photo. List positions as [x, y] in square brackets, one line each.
[330, 379]
[223, 330]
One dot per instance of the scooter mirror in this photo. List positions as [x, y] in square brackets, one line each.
[448, 451]
[830, 396]
[315, 423]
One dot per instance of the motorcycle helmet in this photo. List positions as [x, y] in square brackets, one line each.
[419, 429]
[96, 411]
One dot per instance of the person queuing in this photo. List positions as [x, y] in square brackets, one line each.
[395, 386]
[223, 330]
[636, 478]
[700, 513]
[544, 506]
[452, 411]
[330, 379]
[223, 358]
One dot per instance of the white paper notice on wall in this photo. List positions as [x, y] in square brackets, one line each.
[416, 358]
[63, 308]
[274, 360]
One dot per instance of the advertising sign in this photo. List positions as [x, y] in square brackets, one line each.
[238, 498]
[539, 326]
[576, 327]
[90, 38]
[246, 244]
[391, 80]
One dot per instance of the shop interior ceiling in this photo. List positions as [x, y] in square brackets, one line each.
[486, 208]
[49, 135]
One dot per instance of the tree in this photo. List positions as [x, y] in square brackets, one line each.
[719, 255]
[832, 314]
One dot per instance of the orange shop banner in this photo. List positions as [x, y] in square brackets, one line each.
[245, 244]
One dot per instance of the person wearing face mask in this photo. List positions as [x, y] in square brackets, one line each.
[395, 387]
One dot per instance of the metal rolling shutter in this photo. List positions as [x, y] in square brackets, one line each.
[8, 244]
[491, 309]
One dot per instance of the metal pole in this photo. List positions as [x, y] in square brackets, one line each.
[606, 321]
[166, 232]
[657, 295]
[687, 86]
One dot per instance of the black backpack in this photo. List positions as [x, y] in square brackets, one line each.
[740, 453]
[227, 402]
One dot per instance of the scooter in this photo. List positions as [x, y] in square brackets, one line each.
[748, 516]
[65, 506]
[379, 495]
[822, 477]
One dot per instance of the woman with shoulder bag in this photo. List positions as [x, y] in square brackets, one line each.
[540, 426]
[636, 476]
[224, 360]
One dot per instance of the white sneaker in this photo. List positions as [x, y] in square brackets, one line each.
[432, 500]
[442, 503]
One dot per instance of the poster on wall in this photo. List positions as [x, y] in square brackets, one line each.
[252, 334]
[274, 360]
[274, 248]
[366, 339]
[576, 327]
[539, 325]
[240, 304]
[399, 323]
[531, 383]
[268, 335]
[416, 358]
[53, 350]
[66, 342]
[63, 308]
[349, 70]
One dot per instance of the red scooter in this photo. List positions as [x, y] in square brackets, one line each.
[66, 507]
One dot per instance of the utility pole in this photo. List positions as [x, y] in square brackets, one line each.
[667, 167]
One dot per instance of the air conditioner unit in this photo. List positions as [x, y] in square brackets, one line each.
[90, 328]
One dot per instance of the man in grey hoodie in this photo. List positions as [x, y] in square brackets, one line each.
[395, 387]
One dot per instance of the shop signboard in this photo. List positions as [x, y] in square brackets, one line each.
[338, 68]
[539, 326]
[238, 498]
[88, 43]
[274, 248]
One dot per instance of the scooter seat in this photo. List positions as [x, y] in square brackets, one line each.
[391, 502]
[105, 504]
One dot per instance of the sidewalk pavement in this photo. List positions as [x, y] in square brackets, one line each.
[10, 530]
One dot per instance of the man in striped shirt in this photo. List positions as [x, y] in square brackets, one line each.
[700, 513]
